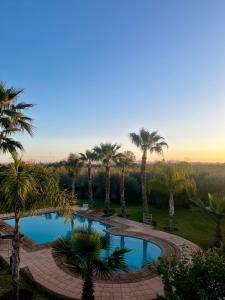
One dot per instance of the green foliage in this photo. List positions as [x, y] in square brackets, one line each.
[74, 164]
[27, 187]
[146, 140]
[81, 254]
[201, 279]
[205, 183]
[12, 118]
[107, 153]
[217, 204]
[88, 157]
[215, 209]
[172, 178]
[126, 160]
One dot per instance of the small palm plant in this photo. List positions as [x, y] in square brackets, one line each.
[215, 209]
[26, 188]
[81, 254]
[172, 179]
[74, 165]
[89, 157]
[12, 118]
[108, 154]
[125, 162]
[154, 143]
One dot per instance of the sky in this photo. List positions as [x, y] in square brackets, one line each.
[98, 70]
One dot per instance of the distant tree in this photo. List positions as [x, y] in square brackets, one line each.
[81, 254]
[74, 165]
[154, 143]
[12, 118]
[108, 154]
[124, 163]
[172, 179]
[25, 188]
[215, 209]
[88, 158]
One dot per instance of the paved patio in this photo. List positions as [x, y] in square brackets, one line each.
[48, 274]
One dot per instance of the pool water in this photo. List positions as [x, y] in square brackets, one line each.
[46, 228]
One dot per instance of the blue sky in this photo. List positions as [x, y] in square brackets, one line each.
[97, 70]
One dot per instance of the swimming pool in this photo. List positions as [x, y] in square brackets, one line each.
[47, 227]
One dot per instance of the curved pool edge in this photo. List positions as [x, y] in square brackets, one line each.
[47, 274]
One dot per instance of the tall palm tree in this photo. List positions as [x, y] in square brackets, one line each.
[81, 254]
[26, 188]
[89, 157]
[124, 163]
[12, 118]
[172, 179]
[74, 165]
[154, 143]
[215, 209]
[108, 154]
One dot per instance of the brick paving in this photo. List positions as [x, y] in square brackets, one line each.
[47, 273]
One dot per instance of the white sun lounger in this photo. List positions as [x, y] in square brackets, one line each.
[84, 207]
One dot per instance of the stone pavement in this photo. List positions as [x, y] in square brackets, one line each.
[45, 272]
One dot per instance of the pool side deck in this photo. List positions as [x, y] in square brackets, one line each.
[49, 275]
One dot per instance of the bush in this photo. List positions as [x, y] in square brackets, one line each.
[202, 279]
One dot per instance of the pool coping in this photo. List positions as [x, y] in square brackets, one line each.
[46, 273]
[27, 243]
[167, 248]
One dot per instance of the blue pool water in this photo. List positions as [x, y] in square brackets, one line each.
[48, 227]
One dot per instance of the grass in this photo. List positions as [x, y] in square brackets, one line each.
[190, 224]
[25, 283]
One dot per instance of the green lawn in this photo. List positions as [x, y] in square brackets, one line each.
[190, 224]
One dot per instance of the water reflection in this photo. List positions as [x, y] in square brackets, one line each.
[144, 253]
[122, 241]
[48, 227]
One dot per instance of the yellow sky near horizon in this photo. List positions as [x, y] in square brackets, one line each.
[210, 154]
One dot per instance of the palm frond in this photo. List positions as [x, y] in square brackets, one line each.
[9, 145]
[117, 260]
[135, 139]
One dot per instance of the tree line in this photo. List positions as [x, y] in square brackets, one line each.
[27, 187]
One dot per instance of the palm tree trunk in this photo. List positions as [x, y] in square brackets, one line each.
[88, 289]
[146, 215]
[90, 190]
[15, 260]
[122, 194]
[107, 188]
[171, 212]
[219, 237]
[73, 186]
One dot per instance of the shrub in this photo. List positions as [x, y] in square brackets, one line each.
[201, 279]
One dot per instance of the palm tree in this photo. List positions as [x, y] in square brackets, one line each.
[26, 188]
[124, 163]
[81, 254]
[12, 118]
[172, 179]
[215, 208]
[89, 157]
[108, 154]
[154, 143]
[74, 165]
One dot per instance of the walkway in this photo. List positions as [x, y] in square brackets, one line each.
[46, 273]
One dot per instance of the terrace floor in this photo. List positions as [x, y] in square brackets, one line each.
[49, 275]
